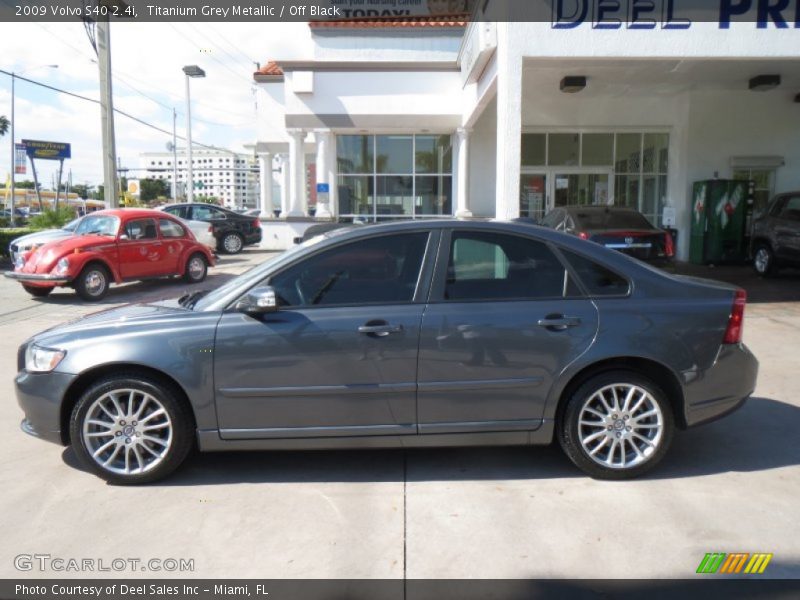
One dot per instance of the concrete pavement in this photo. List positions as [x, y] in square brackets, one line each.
[731, 486]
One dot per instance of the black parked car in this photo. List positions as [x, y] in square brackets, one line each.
[616, 227]
[232, 230]
[776, 235]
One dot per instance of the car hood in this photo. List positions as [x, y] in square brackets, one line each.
[128, 317]
[45, 256]
[42, 237]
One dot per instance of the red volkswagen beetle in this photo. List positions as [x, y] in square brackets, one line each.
[114, 246]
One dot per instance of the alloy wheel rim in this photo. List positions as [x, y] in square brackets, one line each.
[196, 267]
[127, 431]
[95, 282]
[620, 426]
[233, 243]
[761, 260]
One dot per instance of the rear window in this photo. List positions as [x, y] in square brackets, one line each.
[611, 219]
[598, 280]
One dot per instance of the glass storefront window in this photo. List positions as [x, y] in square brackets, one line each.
[354, 153]
[629, 153]
[433, 154]
[409, 176]
[764, 185]
[563, 149]
[534, 149]
[434, 195]
[655, 154]
[597, 149]
[394, 153]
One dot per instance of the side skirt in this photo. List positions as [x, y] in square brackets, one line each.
[208, 440]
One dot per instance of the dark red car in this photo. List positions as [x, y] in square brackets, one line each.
[114, 246]
[617, 227]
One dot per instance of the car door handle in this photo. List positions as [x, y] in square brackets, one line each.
[380, 330]
[558, 322]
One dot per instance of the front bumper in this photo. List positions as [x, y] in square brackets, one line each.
[40, 395]
[722, 388]
[38, 277]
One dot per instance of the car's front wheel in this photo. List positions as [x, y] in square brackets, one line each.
[196, 269]
[232, 243]
[93, 282]
[763, 260]
[131, 429]
[616, 425]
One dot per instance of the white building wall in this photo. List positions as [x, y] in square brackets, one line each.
[482, 157]
[388, 45]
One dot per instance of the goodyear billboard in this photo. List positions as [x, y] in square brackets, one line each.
[47, 150]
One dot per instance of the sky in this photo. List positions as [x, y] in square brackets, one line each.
[148, 82]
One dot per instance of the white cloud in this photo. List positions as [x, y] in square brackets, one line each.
[146, 57]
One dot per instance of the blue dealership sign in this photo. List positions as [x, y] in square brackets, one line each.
[323, 188]
[47, 150]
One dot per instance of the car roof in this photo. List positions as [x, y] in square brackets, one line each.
[128, 212]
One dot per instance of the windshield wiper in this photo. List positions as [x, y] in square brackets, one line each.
[189, 299]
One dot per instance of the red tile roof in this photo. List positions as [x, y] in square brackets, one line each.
[429, 22]
[271, 68]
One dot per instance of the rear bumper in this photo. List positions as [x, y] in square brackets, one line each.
[253, 238]
[722, 388]
[38, 278]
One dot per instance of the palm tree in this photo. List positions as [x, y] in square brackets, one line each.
[3, 125]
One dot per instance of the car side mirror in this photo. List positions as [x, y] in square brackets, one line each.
[260, 300]
[123, 236]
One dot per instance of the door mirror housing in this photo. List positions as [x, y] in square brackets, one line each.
[260, 300]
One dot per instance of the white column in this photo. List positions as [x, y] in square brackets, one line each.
[265, 182]
[285, 185]
[323, 140]
[297, 174]
[509, 125]
[462, 173]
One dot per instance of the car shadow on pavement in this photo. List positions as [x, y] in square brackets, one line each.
[760, 436]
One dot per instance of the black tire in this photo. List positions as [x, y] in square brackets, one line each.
[179, 415]
[93, 282]
[37, 292]
[231, 243]
[193, 273]
[570, 427]
[764, 260]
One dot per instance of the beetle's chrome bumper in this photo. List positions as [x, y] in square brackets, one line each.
[38, 277]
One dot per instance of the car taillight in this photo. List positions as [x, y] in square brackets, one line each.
[257, 223]
[669, 245]
[733, 333]
[583, 235]
[210, 229]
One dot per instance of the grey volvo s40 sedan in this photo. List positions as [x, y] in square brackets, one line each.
[437, 333]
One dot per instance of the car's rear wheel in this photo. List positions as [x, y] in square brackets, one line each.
[37, 292]
[764, 260]
[232, 243]
[130, 429]
[616, 425]
[93, 282]
[196, 269]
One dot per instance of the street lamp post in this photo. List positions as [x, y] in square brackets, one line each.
[190, 71]
[11, 132]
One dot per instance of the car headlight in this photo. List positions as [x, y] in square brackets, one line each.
[62, 266]
[42, 360]
[19, 262]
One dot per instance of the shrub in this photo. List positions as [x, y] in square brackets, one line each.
[52, 219]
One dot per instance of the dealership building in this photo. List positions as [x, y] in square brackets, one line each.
[440, 115]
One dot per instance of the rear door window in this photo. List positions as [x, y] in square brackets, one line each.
[597, 279]
[497, 266]
[206, 213]
[791, 209]
[170, 229]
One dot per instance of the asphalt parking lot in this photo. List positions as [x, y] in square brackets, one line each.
[731, 486]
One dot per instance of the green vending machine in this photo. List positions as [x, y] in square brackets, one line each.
[720, 213]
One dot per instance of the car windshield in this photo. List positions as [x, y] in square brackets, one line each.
[72, 225]
[611, 219]
[98, 225]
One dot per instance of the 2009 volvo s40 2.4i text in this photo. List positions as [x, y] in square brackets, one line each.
[440, 333]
